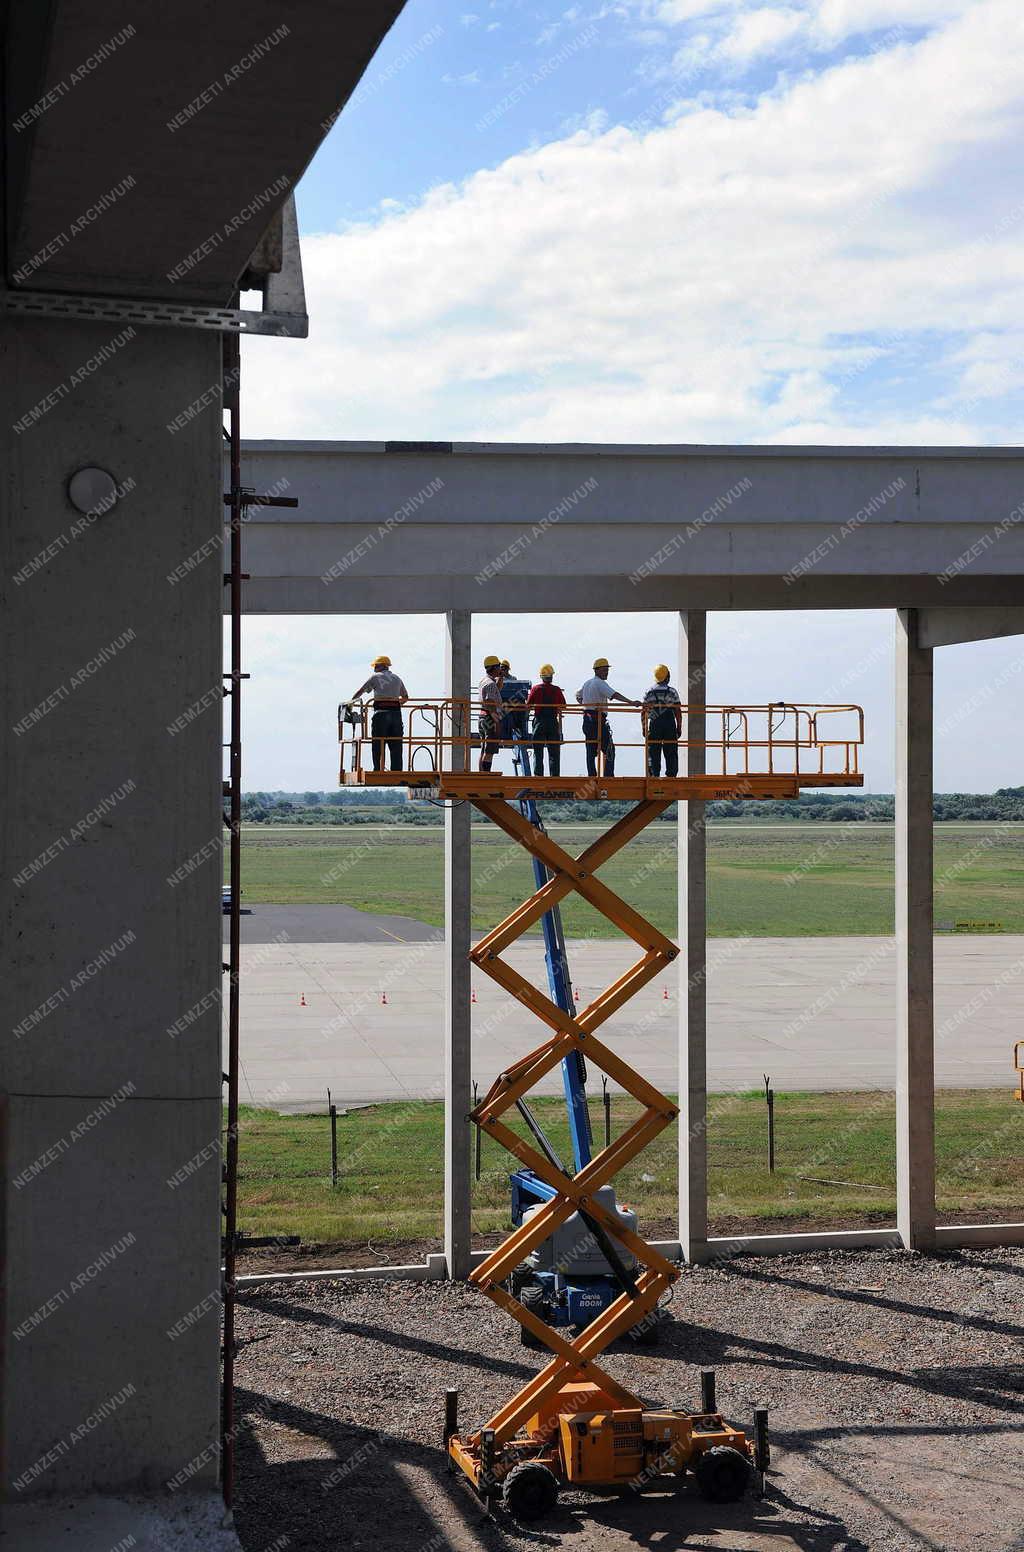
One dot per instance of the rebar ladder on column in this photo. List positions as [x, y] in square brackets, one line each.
[238, 499]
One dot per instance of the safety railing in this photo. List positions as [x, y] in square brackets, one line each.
[443, 736]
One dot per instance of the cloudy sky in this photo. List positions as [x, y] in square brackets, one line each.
[662, 221]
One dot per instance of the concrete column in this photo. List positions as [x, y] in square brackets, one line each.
[915, 1065]
[457, 1010]
[110, 833]
[693, 1027]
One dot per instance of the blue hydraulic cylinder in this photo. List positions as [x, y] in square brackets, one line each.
[556, 959]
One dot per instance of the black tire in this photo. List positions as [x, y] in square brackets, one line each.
[529, 1491]
[723, 1474]
[533, 1298]
[520, 1277]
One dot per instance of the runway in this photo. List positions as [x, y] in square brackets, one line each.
[362, 1012]
[327, 924]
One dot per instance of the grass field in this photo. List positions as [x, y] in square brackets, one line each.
[780, 880]
[835, 1164]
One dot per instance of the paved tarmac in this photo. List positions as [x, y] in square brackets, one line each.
[364, 1015]
[327, 924]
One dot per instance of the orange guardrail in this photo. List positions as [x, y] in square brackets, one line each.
[818, 744]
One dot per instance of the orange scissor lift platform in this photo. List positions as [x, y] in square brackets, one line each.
[573, 1422]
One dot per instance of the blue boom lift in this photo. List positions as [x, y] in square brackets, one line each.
[579, 1271]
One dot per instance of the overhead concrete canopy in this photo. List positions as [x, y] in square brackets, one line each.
[397, 527]
[213, 112]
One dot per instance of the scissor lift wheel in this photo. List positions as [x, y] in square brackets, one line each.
[530, 1491]
[723, 1474]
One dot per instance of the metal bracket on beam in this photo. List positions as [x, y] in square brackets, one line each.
[166, 315]
[284, 296]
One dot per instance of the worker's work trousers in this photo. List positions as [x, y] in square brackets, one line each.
[386, 728]
[598, 736]
[662, 736]
[546, 736]
[489, 727]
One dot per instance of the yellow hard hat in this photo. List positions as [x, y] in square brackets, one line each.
[601, 662]
[546, 671]
[661, 673]
[382, 660]
[505, 663]
[491, 661]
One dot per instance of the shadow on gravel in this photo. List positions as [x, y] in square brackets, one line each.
[895, 1306]
[997, 1385]
[348, 1485]
[412, 1344]
[667, 1519]
[357, 1492]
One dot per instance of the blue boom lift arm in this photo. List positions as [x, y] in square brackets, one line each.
[527, 1188]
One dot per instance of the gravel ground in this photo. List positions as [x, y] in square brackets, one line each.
[895, 1382]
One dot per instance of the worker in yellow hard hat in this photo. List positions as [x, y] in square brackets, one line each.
[662, 718]
[389, 696]
[594, 696]
[489, 723]
[545, 700]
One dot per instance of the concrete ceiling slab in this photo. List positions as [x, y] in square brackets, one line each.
[148, 150]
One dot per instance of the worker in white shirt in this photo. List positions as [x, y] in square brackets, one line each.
[491, 711]
[389, 696]
[594, 697]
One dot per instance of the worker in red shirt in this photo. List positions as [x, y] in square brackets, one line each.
[544, 700]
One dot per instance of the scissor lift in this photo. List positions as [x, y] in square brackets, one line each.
[579, 1272]
[572, 1422]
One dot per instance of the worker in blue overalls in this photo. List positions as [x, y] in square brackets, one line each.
[663, 724]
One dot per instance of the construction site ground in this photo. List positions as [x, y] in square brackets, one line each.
[895, 1383]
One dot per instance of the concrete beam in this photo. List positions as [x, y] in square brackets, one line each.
[720, 1248]
[717, 1248]
[432, 527]
[946, 627]
[693, 1012]
[457, 1009]
[915, 988]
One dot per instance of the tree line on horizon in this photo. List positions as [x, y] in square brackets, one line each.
[391, 806]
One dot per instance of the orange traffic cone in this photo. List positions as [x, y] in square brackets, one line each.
[473, 998]
[302, 1000]
[383, 999]
[664, 994]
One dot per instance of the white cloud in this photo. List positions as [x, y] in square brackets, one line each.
[761, 32]
[845, 18]
[593, 122]
[743, 31]
[699, 280]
